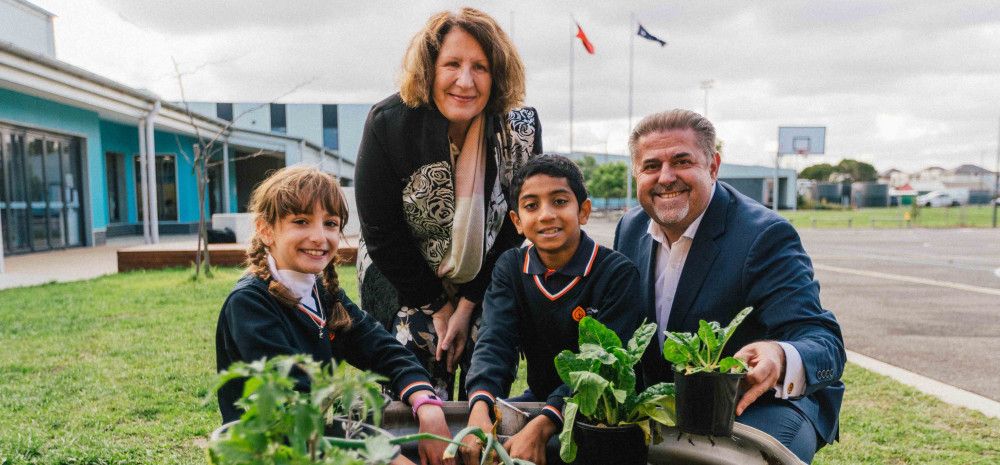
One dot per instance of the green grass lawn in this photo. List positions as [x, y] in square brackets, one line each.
[978, 216]
[116, 370]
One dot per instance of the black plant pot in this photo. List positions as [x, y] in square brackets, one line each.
[706, 402]
[619, 445]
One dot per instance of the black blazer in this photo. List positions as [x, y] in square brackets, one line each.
[746, 255]
[404, 154]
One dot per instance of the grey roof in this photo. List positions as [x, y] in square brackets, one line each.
[971, 169]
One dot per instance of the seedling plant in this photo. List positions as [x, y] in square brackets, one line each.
[282, 425]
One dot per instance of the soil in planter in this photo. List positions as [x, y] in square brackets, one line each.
[619, 445]
[706, 402]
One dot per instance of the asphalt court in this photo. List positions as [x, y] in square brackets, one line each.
[925, 300]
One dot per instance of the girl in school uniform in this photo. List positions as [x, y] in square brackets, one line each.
[290, 300]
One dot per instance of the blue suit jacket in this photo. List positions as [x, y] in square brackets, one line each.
[746, 255]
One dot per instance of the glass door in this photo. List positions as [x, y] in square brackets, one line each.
[40, 204]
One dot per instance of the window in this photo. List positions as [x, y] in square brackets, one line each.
[166, 187]
[115, 174]
[224, 111]
[278, 118]
[330, 136]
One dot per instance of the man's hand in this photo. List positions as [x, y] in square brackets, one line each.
[440, 320]
[479, 416]
[432, 420]
[458, 332]
[766, 360]
[529, 443]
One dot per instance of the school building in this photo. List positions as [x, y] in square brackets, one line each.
[81, 156]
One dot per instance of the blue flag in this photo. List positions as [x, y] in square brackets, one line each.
[646, 35]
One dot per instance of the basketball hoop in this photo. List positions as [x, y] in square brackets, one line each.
[802, 151]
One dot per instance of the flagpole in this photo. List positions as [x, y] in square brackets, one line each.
[631, 64]
[571, 64]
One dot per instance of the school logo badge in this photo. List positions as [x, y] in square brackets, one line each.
[578, 314]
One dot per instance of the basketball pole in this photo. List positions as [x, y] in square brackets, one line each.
[774, 191]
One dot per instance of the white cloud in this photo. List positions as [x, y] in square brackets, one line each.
[900, 83]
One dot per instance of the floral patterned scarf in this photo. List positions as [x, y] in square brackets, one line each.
[465, 257]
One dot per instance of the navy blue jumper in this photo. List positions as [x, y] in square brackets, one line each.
[253, 324]
[534, 311]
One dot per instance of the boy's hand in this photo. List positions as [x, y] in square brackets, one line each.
[479, 416]
[529, 443]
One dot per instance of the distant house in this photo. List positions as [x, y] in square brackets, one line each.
[972, 177]
[894, 177]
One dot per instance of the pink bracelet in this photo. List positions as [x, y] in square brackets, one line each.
[429, 400]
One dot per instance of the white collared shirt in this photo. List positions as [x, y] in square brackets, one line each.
[670, 259]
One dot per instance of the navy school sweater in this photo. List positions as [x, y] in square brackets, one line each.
[535, 312]
[253, 324]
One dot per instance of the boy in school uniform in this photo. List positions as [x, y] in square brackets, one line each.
[537, 297]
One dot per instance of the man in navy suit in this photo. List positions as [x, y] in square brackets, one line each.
[704, 252]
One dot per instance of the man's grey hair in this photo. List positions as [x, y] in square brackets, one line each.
[674, 119]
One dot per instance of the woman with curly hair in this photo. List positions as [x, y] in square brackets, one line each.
[432, 178]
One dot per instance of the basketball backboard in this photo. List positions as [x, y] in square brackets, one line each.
[801, 140]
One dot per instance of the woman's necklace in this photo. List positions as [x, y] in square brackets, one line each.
[317, 316]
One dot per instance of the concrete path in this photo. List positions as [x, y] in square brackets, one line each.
[71, 264]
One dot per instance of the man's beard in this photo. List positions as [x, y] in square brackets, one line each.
[667, 216]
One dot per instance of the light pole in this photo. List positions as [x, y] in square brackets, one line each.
[705, 85]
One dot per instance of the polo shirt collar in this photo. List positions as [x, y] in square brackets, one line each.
[580, 264]
[658, 235]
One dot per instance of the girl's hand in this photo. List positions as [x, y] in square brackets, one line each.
[440, 320]
[431, 418]
[458, 333]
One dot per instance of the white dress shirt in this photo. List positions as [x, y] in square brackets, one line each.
[670, 259]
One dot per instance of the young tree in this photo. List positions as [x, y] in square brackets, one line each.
[608, 181]
[202, 160]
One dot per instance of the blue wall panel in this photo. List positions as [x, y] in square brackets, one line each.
[18, 108]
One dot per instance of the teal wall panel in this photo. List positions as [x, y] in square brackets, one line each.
[18, 108]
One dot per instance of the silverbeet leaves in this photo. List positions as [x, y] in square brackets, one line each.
[702, 351]
[602, 378]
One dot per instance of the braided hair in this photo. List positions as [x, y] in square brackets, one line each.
[289, 191]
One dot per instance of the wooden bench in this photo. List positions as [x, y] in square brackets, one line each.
[182, 254]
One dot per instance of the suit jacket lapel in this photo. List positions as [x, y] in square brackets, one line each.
[700, 257]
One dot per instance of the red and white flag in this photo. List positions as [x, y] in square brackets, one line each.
[583, 38]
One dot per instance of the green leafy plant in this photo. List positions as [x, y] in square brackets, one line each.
[602, 378]
[702, 351]
[282, 425]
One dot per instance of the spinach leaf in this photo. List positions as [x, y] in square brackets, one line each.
[602, 378]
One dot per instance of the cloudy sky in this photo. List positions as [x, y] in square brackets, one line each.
[897, 84]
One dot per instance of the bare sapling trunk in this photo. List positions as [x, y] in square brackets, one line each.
[202, 257]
